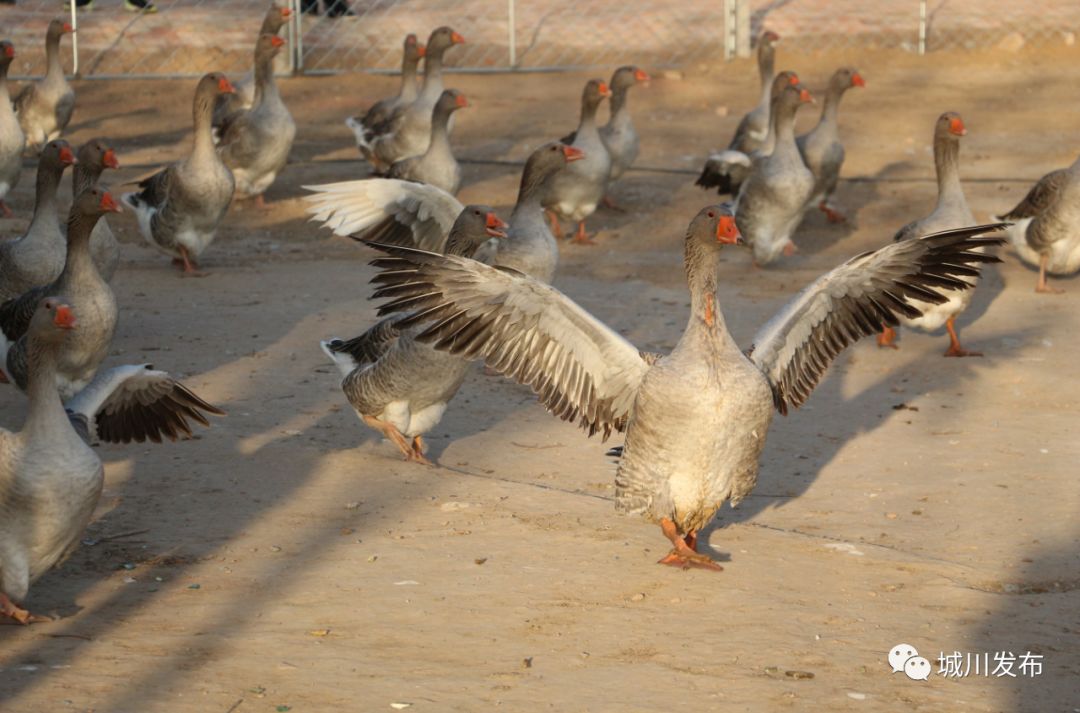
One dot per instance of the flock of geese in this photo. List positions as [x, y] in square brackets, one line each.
[460, 284]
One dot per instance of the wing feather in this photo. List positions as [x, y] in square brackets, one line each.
[1041, 195]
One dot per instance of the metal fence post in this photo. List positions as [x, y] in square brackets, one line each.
[730, 32]
[296, 32]
[511, 26]
[922, 26]
[74, 40]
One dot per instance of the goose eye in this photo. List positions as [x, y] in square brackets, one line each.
[711, 214]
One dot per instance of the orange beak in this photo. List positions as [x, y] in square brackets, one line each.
[286, 12]
[456, 38]
[857, 80]
[421, 50]
[68, 27]
[804, 97]
[9, 51]
[641, 76]
[604, 90]
[66, 157]
[461, 101]
[109, 205]
[109, 160]
[277, 41]
[794, 79]
[956, 127]
[727, 232]
[64, 317]
[494, 226]
[225, 86]
[572, 154]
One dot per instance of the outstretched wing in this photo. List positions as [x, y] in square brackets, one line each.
[582, 370]
[390, 211]
[1041, 195]
[15, 314]
[860, 298]
[136, 403]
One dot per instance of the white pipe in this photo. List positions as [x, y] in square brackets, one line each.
[511, 34]
[298, 66]
[922, 26]
[74, 40]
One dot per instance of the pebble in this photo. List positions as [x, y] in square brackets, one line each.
[856, 696]
[638, 597]
[673, 74]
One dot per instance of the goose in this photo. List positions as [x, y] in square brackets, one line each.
[93, 158]
[1046, 231]
[363, 127]
[577, 190]
[437, 165]
[180, 207]
[951, 211]
[44, 108]
[84, 288]
[12, 139]
[37, 256]
[397, 386]
[727, 170]
[419, 215]
[724, 170]
[255, 143]
[244, 95]
[407, 130]
[50, 479]
[821, 149]
[771, 201]
[695, 419]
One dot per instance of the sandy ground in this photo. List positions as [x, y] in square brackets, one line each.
[287, 560]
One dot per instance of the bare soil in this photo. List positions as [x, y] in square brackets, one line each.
[288, 560]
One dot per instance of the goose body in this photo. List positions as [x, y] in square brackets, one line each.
[821, 148]
[243, 96]
[12, 139]
[45, 107]
[437, 165]
[255, 144]
[93, 158]
[363, 127]
[1046, 225]
[180, 207]
[618, 134]
[696, 419]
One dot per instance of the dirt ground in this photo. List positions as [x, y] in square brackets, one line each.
[288, 560]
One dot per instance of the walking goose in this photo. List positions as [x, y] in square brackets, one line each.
[951, 211]
[180, 207]
[407, 130]
[363, 127]
[695, 419]
[821, 149]
[725, 170]
[84, 289]
[771, 201]
[255, 143]
[45, 107]
[396, 385]
[1046, 231]
[93, 158]
[12, 139]
[437, 165]
[418, 215]
[50, 479]
[244, 95]
[37, 256]
[577, 189]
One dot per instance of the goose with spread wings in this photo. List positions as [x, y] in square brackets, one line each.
[695, 419]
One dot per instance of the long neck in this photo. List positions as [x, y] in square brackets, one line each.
[46, 410]
[530, 193]
[408, 74]
[832, 106]
[265, 83]
[79, 260]
[48, 179]
[5, 97]
[52, 56]
[440, 129]
[947, 166]
[766, 69]
[84, 175]
[203, 115]
[588, 115]
[783, 127]
[432, 68]
[702, 263]
[461, 245]
[620, 113]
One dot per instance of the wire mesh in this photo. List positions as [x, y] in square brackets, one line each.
[190, 37]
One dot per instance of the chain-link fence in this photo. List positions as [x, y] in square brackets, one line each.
[190, 37]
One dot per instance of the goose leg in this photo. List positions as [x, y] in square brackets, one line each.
[1042, 286]
[609, 203]
[4, 378]
[260, 202]
[684, 554]
[556, 229]
[390, 431]
[187, 264]
[10, 609]
[790, 249]
[887, 338]
[581, 237]
[955, 350]
[417, 454]
[5, 209]
[831, 213]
